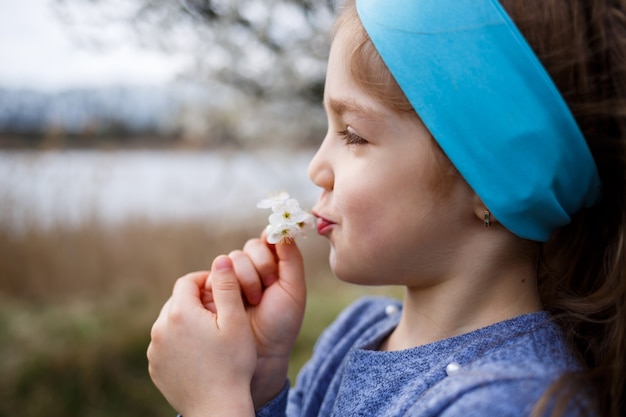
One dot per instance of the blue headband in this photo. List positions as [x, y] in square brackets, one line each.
[489, 103]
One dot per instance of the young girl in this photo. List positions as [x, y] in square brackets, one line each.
[477, 162]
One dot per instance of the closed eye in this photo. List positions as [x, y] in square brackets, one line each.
[351, 138]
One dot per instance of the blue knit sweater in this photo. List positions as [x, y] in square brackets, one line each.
[499, 370]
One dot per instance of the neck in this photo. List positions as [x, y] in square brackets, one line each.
[475, 292]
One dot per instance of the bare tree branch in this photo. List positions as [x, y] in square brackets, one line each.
[266, 48]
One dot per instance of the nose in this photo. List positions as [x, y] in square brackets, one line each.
[320, 167]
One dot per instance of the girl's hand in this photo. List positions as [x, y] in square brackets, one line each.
[202, 360]
[272, 280]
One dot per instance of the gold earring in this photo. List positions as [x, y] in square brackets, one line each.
[487, 219]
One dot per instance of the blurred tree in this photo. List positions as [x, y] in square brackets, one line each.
[264, 48]
[260, 63]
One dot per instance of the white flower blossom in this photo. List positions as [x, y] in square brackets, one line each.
[288, 212]
[308, 223]
[282, 233]
[287, 220]
[273, 200]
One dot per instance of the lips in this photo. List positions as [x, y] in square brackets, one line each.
[323, 225]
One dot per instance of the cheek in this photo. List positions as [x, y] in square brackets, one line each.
[361, 204]
[383, 210]
[373, 216]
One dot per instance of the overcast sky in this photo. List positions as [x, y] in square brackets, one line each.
[37, 51]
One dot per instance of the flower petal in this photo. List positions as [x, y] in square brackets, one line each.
[273, 200]
[287, 220]
[283, 233]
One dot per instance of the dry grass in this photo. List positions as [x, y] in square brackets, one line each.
[76, 306]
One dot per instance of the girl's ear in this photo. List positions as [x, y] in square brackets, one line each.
[482, 212]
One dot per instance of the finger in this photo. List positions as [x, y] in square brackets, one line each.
[270, 246]
[165, 309]
[159, 323]
[291, 270]
[207, 300]
[187, 293]
[247, 276]
[264, 260]
[207, 295]
[227, 293]
[190, 283]
[191, 280]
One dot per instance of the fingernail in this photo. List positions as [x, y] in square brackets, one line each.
[222, 263]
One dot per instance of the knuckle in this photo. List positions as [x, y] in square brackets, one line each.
[176, 316]
[226, 285]
[236, 255]
[155, 333]
[254, 246]
[252, 242]
[261, 256]
[180, 281]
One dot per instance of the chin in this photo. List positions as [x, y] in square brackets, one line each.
[350, 275]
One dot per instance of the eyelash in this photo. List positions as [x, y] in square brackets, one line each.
[351, 138]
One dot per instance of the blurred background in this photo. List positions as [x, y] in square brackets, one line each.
[136, 137]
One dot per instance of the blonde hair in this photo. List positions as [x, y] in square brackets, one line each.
[366, 66]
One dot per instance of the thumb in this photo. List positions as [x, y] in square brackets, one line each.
[226, 293]
[291, 269]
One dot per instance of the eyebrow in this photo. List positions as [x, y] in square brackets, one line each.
[341, 106]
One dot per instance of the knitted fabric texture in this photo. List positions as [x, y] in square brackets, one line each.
[499, 370]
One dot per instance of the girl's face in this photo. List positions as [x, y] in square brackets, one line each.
[382, 206]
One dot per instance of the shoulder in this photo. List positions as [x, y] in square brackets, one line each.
[353, 322]
[506, 398]
[505, 395]
[359, 324]
[507, 372]
[367, 310]
[529, 345]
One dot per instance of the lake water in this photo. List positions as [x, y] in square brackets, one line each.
[70, 187]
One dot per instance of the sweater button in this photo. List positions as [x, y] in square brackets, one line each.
[391, 309]
[452, 368]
